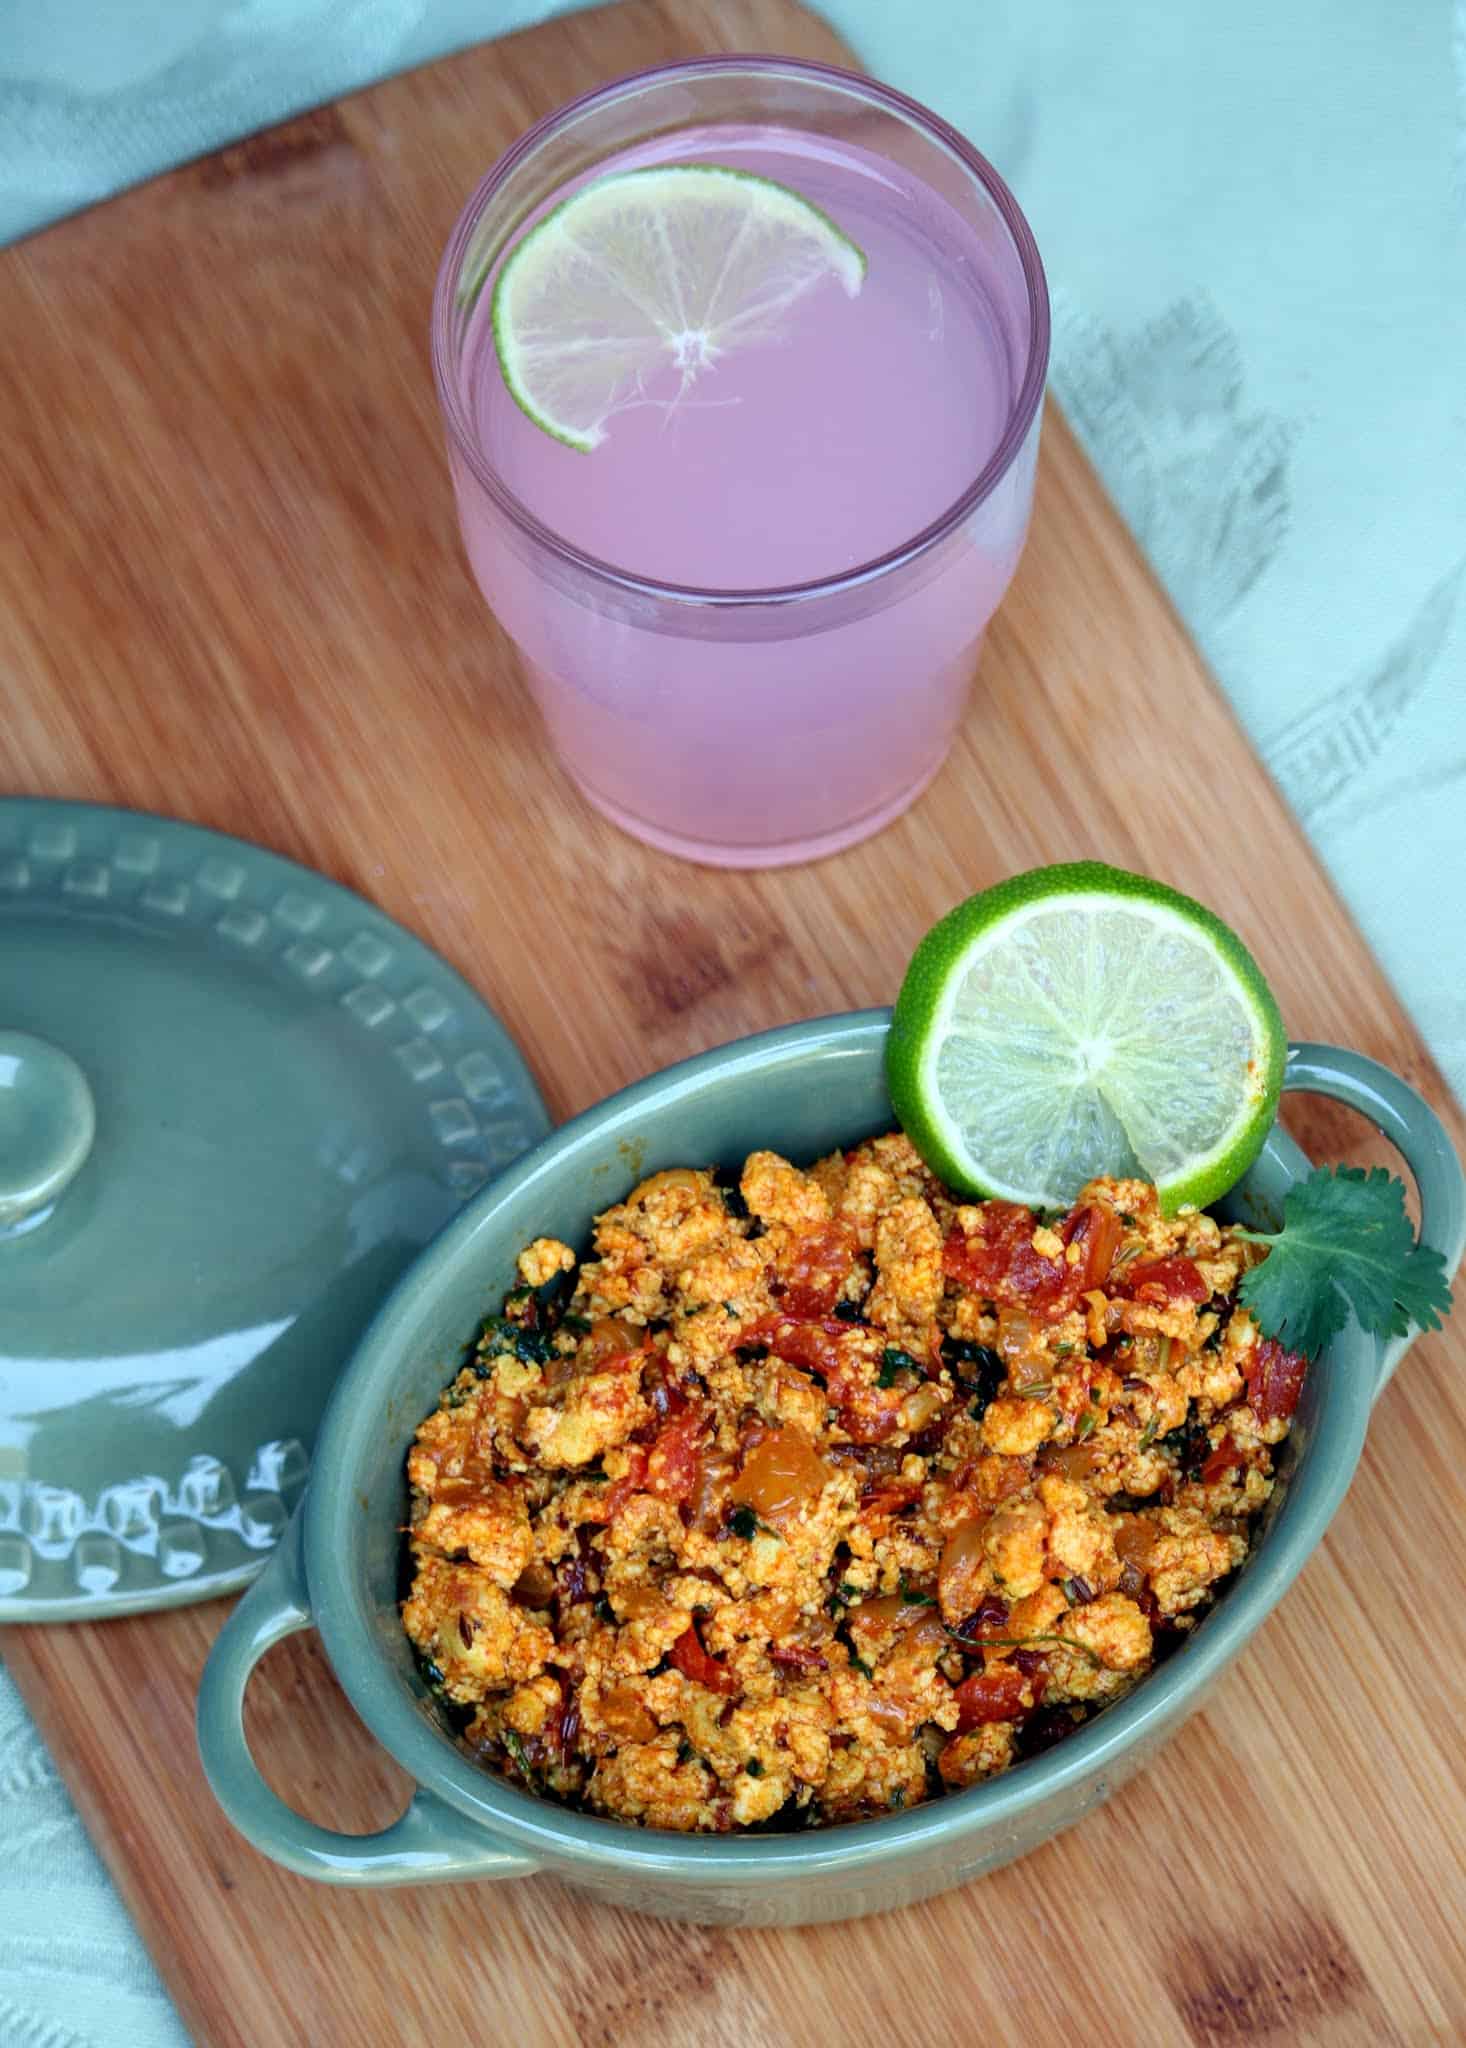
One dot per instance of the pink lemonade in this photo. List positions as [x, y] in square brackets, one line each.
[748, 642]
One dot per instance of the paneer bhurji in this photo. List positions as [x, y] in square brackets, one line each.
[811, 1495]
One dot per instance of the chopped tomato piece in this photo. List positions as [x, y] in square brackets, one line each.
[693, 1661]
[869, 1423]
[1222, 1460]
[1097, 1230]
[672, 1464]
[620, 1490]
[821, 1345]
[999, 1262]
[817, 1269]
[811, 1342]
[991, 1261]
[1165, 1282]
[1274, 1379]
[1002, 1694]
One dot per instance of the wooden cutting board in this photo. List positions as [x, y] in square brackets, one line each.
[230, 588]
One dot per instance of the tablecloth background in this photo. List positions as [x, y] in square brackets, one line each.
[1254, 219]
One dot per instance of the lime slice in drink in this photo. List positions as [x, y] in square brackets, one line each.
[1078, 1020]
[641, 271]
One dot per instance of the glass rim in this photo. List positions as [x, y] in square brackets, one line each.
[1021, 414]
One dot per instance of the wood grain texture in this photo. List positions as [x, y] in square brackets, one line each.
[230, 588]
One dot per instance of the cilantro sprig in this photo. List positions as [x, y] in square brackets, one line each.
[1346, 1243]
[895, 1362]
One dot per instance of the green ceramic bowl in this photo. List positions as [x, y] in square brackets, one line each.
[804, 1091]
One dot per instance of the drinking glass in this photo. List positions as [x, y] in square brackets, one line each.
[753, 727]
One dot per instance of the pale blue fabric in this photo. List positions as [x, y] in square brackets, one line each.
[73, 1973]
[1254, 218]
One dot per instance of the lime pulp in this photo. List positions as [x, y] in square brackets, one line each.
[670, 265]
[1079, 1021]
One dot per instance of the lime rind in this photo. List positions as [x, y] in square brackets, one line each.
[1079, 1020]
[667, 265]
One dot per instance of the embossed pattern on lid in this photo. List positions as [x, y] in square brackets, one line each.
[289, 1095]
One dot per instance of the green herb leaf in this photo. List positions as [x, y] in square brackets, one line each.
[515, 1746]
[754, 1768]
[744, 1522]
[1147, 1435]
[604, 1610]
[577, 1326]
[893, 1363]
[858, 1663]
[911, 1598]
[1087, 1424]
[1346, 1243]
[501, 1334]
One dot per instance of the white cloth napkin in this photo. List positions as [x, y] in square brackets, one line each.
[1254, 220]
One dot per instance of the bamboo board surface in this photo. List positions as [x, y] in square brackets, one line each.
[231, 589]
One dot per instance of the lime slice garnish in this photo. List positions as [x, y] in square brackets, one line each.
[1078, 1021]
[674, 265]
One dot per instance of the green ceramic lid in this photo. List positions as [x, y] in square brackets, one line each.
[235, 1101]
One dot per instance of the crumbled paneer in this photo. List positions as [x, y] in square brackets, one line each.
[811, 1495]
[543, 1259]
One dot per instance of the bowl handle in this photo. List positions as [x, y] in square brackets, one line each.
[431, 1841]
[1416, 1132]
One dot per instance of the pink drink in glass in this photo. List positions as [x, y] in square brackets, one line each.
[752, 613]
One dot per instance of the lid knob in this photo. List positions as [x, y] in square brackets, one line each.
[47, 1122]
